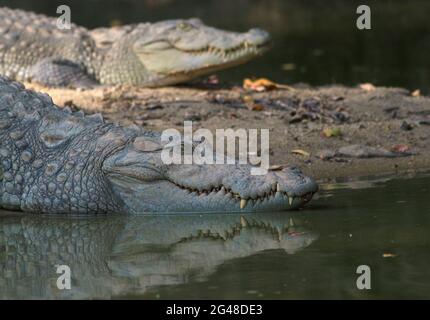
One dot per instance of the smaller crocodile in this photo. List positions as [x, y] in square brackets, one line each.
[33, 48]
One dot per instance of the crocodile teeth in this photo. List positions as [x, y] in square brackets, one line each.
[244, 223]
[278, 187]
[291, 222]
[290, 200]
[243, 203]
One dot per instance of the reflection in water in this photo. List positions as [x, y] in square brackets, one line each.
[118, 255]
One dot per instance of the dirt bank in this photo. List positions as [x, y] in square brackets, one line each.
[394, 122]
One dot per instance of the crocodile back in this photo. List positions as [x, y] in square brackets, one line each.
[27, 38]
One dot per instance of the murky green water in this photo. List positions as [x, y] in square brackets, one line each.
[314, 41]
[313, 253]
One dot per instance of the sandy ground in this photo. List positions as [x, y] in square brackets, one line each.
[382, 118]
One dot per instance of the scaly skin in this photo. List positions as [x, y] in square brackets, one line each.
[56, 161]
[119, 255]
[33, 48]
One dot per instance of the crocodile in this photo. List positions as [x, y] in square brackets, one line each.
[53, 160]
[33, 48]
[114, 256]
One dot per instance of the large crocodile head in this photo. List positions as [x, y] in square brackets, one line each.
[174, 51]
[56, 161]
[144, 183]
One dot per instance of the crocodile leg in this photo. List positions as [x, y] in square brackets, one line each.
[57, 72]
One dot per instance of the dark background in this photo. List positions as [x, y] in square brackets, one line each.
[317, 39]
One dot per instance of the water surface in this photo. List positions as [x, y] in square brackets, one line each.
[312, 253]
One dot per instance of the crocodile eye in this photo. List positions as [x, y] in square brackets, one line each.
[145, 145]
[184, 26]
[53, 139]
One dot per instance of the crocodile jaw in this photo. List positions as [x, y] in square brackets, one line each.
[181, 66]
[209, 189]
[175, 55]
[166, 197]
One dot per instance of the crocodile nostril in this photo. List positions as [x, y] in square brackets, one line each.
[259, 32]
[259, 36]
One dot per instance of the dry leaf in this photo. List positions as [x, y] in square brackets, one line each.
[251, 105]
[288, 66]
[275, 167]
[212, 79]
[301, 152]
[416, 93]
[326, 154]
[331, 132]
[367, 87]
[115, 23]
[400, 148]
[262, 84]
[257, 107]
[338, 98]
[247, 98]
